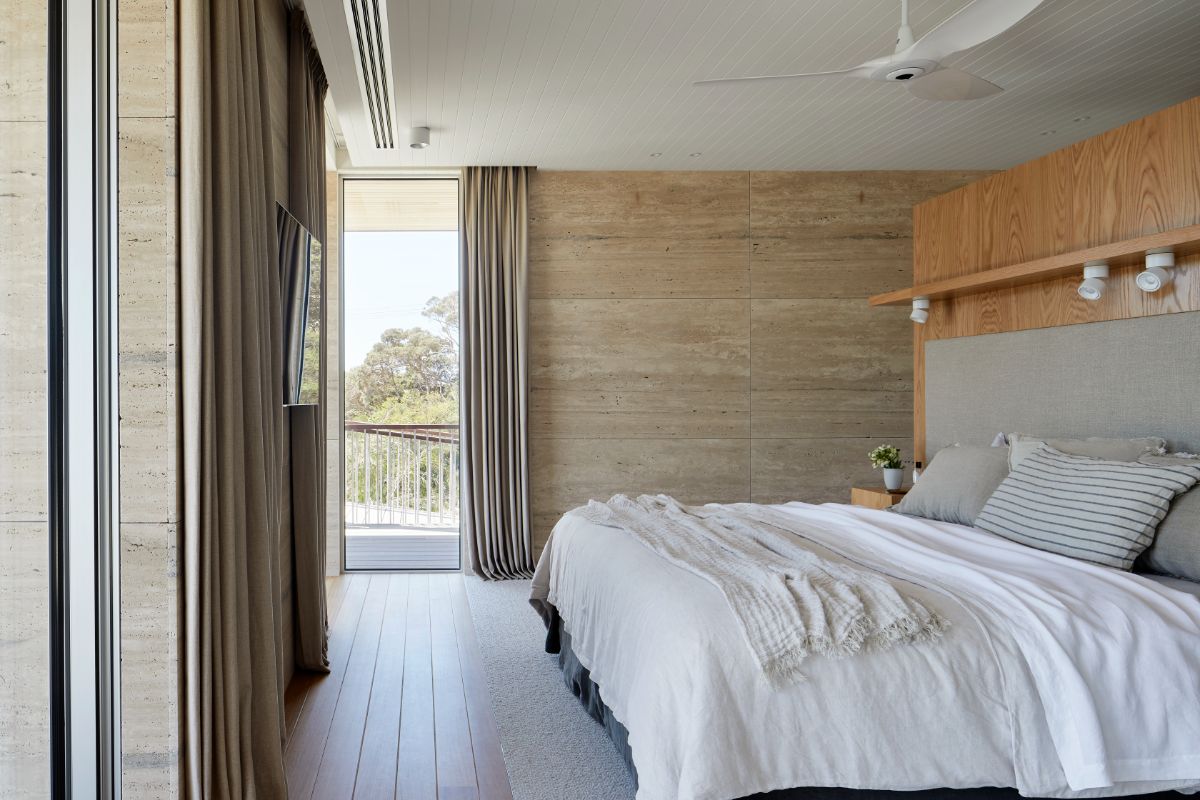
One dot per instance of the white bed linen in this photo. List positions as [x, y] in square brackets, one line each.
[965, 711]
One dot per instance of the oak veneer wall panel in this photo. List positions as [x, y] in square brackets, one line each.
[1140, 178]
[837, 234]
[831, 377]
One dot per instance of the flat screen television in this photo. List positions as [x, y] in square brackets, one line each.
[300, 284]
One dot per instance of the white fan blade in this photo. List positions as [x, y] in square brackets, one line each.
[952, 84]
[973, 25]
[855, 72]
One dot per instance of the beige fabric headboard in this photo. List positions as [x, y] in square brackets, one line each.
[1121, 378]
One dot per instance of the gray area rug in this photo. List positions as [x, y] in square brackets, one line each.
[552, 748]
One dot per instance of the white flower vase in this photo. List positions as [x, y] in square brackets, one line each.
[893, 479]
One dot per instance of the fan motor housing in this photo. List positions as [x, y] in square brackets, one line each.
[905, 74]
[905, 71]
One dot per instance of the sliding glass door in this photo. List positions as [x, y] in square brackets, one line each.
[400, 351]
[57, 565]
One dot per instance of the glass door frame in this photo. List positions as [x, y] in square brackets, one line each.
[83, 473]
[353, 174]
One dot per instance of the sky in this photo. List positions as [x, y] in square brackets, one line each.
[389, 277]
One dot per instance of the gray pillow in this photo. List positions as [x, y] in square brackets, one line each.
[1176, 548]
[1092, 509]
[1022, 444]
[957, 484]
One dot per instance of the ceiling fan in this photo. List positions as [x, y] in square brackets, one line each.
[917, 64]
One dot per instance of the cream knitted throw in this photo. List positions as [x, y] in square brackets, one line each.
[789, 602]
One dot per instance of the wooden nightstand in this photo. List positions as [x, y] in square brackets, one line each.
[876, 498]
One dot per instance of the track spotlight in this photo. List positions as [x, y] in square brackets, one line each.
[920, 312]
[1094, 273]
[1158, 271]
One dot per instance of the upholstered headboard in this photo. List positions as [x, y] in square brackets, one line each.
[1122, 378]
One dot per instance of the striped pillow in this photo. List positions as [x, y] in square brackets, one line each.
[1100, 511]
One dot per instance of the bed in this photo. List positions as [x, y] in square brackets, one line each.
[1055, 678]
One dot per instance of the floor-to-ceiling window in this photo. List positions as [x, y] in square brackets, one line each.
[400, 350]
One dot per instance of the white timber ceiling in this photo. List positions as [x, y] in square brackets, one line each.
[605, 84]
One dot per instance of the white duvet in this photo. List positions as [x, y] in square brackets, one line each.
[1057, 677]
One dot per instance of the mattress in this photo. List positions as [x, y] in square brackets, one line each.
[661, 647]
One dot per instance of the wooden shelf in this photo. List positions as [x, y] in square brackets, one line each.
[1185, 241]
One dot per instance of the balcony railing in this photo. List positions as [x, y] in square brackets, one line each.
[402, 475]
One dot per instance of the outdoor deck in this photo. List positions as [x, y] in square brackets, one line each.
[412, 546]
[402, 497]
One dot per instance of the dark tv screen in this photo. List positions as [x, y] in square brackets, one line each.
[296, 285]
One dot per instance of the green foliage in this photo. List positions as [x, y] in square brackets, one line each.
[411, 374]
[310, 377]
[885, 456]
[444, 311]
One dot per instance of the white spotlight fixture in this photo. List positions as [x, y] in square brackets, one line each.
[418, 138]
[920, 312]
[1094, 273]
[1158, 270]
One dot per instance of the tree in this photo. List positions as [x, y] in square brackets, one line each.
[444, 311]
[411, 374]
[310, 376]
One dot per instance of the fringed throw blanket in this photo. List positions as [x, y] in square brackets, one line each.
[789, 602]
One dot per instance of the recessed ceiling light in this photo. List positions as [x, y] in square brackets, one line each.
[695, 155]
[655, 155]
[1084, 118]
[1047, 133]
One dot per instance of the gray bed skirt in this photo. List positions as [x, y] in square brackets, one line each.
[558, 642]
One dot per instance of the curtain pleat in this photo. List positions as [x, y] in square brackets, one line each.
[232, 411]
[307, 85]
[494, 252]
[306, 197]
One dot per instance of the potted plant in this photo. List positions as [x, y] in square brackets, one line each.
[887, 458]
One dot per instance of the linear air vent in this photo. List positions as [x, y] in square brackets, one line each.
[373, 76]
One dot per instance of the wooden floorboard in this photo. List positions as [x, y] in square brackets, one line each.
[405, 712]
[339, 762]
[416, 768]
[381, 737]
[297, 690]
[452, 730]
[302, 758]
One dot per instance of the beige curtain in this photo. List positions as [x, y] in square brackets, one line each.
[306, 127]
[494, 252]
[306, 198]
[233, 419]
